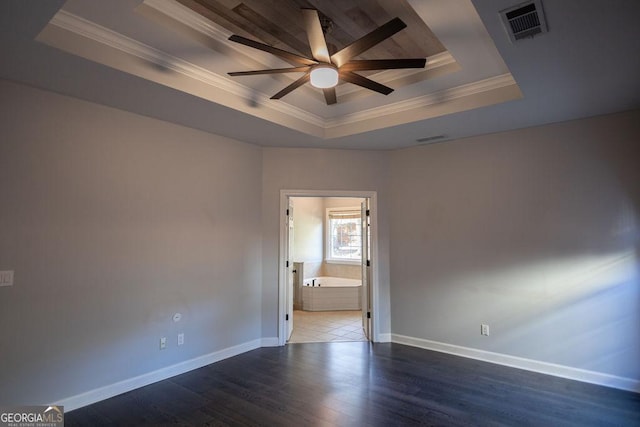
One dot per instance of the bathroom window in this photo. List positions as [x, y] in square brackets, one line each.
[344, 239]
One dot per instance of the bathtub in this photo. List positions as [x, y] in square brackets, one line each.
[331, 293]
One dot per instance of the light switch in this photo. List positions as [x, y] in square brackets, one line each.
[6, 278]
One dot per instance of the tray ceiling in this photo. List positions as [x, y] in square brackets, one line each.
[182, 44]
[279, 24]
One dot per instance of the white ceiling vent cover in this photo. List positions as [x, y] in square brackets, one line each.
[524, 20]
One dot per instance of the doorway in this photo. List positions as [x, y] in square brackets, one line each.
[338, 261]
[326, 326]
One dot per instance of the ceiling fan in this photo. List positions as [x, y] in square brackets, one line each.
[325, 69]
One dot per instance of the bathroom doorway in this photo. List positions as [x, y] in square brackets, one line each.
[328, 279]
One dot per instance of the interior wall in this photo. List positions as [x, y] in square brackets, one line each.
[285, 168]
[112, 223]
[534, 232]
[308, 237]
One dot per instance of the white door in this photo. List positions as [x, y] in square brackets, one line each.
[366, 267]
[289, 268]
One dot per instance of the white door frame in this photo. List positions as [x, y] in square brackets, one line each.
[282, 270]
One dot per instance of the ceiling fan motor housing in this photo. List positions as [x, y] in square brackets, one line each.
[324, 76]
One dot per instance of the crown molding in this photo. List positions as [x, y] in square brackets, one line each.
[104, 36]
[430, 99]
[92, 41]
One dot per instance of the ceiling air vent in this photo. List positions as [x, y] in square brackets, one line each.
[524, 20]
[430, 139]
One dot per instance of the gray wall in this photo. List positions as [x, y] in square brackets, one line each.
[112, 223]
[308, 237]
[319, 169]
[534, 232]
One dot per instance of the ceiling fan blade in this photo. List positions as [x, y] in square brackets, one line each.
[315, 35]
[293, 86]
[367, 42]
[359, 80]
[291, 57]
[383, 64]
[271, 71]
[330, 95]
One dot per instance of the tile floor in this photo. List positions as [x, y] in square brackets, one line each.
[325, 326]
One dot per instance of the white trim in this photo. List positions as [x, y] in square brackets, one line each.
[343, 261]
[112, 39]
[104, 36]
[102, 393]
[462, 91]
[282, 303]
[593, 377]
[95, 42]
[384, 338]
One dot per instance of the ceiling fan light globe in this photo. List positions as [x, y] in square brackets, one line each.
[324, 76]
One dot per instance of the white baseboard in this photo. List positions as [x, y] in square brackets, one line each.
[568, 372]
[102, 393]
[269, 342]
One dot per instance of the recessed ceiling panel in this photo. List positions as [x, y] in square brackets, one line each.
[183, 44]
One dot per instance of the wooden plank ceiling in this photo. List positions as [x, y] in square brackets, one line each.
[279, 23]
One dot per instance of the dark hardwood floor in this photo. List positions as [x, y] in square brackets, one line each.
[362, 384]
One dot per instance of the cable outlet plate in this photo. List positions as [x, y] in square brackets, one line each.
[6, 278]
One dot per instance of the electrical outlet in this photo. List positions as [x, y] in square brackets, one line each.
[6, 278]
[163, 343]
[484, 329]
[181, 338]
